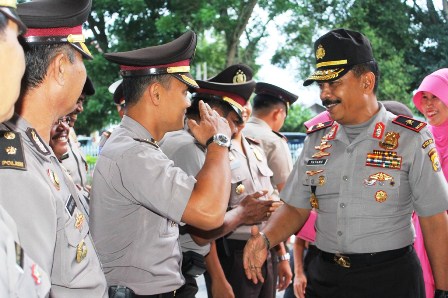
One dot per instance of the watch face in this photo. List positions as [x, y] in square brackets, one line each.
[222, 140]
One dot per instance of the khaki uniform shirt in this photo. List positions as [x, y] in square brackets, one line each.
[250, 173]
[76, 163]
[137, 201]
[366, 193]
[186, 153]
[20, 276]
[274, 145]
[52, 229]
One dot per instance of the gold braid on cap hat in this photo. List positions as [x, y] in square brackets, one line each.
[8, 3]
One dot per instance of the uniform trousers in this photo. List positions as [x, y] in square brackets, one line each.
[230, 254]
[399, 277]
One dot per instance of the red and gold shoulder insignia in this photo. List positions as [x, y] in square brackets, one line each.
[409, 123]
[319, 126]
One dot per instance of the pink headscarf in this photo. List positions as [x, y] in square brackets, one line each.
[437, 84]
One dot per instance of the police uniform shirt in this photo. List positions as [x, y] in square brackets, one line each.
[186, 153]
[76, 163]
[366, 194]
[274, 146]
[249, 174]
[52, 230]
[20, 276]
[137, 201]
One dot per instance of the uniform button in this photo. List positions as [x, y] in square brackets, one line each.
[345, 178]
[342, 205]
[339, 233]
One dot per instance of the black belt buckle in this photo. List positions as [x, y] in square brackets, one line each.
[342, 261]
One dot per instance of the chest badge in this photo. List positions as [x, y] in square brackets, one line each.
[79, 221]
[54, 179]
[390, 141]
[380, 178]
[378, 132]
[314, 201]
[380, 196]
[240, 188]
[35, 273]
[81, 251]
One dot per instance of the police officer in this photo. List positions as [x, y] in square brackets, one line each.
[138, 197]
[76, 163]
[35, 191]
[188, 154]
[20, 276]
[364, 173]
[270, 109]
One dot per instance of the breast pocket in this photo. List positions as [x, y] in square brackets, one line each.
[75, 249]
[239, 187]
[380, 191]
[168, 228]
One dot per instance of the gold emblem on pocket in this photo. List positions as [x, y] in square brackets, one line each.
[81, 251]
[314, 202]
[380, 196]
[240, 188]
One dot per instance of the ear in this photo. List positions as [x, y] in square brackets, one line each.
[368, 82]
[57, 68]
[153, 91]
[276, 113]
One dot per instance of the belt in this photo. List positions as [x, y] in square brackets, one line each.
[363, 259]
[124, 292]
[164, 295]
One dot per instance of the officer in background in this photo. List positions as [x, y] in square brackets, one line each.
[76, 163]
[188, 154]
[270, 109]
[20, 275]
[364, 173]
[117, 90]
[138, 196]
[35, 192]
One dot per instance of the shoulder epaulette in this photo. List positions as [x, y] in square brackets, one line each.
[253, 141]
[409, 123]
[280, 135]
[151, 142]
[12, 155]
[319, 126]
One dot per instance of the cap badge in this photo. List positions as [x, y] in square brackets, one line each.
[320, 52]
[239, 77]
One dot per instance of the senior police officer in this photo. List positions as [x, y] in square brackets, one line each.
[20, 275]
[270, 109]
[35, 192]
[188, 154]
[76, 163]
[138, 196]
[365, 173]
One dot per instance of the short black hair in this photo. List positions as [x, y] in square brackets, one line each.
[38, 58]
[133, 87]
[213, 101]
[264, 103]
[362, 68]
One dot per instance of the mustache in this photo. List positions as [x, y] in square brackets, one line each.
[327, 102]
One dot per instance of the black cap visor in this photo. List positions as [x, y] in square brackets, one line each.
[11, 14]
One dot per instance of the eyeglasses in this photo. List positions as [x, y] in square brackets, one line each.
[64, 120]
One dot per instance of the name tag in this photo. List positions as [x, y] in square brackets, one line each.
[316, 162]
[70, 205]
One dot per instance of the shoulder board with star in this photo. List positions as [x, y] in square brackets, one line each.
[409, 123]
[280, 135]
[151, 142]
[319, 126]
[12, 155]
[253, 141]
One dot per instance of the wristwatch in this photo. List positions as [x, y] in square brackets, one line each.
[284, 257]
[220, 139]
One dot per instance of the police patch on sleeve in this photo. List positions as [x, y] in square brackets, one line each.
[11, 151]
[434, 157]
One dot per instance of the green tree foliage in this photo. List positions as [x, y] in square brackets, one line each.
[297, 115]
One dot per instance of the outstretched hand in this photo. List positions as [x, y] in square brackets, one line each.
[255, 254]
